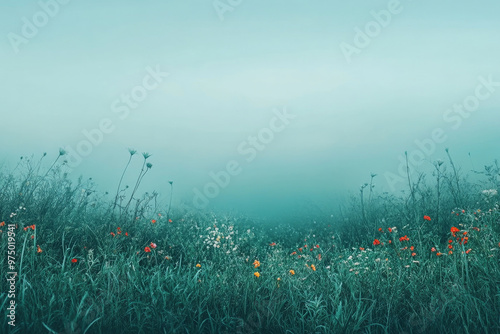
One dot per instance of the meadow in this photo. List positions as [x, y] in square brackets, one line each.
[423, 261]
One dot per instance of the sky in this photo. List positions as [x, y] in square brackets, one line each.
[264, 108]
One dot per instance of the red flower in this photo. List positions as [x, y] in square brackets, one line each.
[317, 246]
[380, 229]
[112, 234]
[361, 249]
[389, 229]
[376, 242]
[272, 244]
[153, 245]
[153, 221]
[404, 238]
[74, 261]
[427, 218]
[147, 249]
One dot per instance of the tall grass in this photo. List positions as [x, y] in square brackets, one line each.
[144, 270]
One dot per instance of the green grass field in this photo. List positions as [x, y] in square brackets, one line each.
[426, 261]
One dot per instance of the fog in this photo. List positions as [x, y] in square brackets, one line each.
[267, 109]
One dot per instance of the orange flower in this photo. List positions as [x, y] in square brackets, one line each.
[413, 254]
[272, 244]
[412, 248]
[256, 263]
[313, 267]
[376, 242]
[404, 238]
[256, 274]
[33, 227]
[170, 220]
[74, 260]
[198, 265]
[2, 224]
[113, 234]
[450, 252]
[300, 249]
[167, 257]
[147, 249]
[454, 230]
[153, 221]
[427, 218]
[390, 241]
[361, 249]
[118, 228]
[292, 272]
[439, 254]
[38, 249]
[293, 253]
[468, 251]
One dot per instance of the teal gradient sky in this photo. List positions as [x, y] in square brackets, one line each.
[227, 76]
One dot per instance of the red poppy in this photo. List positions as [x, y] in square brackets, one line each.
[404, 238]
[376, 242]
[153, 221]
[389, 229]
[454, 230]
[427, 218]
[74, 261]
[147, 249]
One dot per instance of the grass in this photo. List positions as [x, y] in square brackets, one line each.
[94, 263]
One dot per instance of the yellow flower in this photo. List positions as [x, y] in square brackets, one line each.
[256, 274]
[198, 265]
[313, 267]
[292, 272]
[256, 263]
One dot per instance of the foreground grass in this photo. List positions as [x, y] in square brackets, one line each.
[89, 264]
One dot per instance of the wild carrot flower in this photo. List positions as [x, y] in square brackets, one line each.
[147, 249]
[256, 274]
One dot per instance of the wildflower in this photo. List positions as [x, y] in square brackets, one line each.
[38, 249]
[256, 274]
[153, 221]
[32, 237]
[311, 250]
[2, 224]
[300, 249]
[256, 263]
[404, 238]
[439, 254]
[32, 227]
[476, 228]
[74, 260]
[313, 267]
[390, 230]
[427, 218]
[454, 230]
[450, 246]
[170, 220]
[390, 241]
[376, 242]
[450, 252]
[197, 265]
[450, 241]
[468, 251]
[292, 272]
[412, 248]
[433, 249]
[112, 234]
[361, 249]
[413, 254]
[319, 257]
[380, 229]
[126, 234]
[317, 246]
[293, 253]
[26, 228]
[118, 228]
[147, 249]
[272, 244]
[168, 258]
